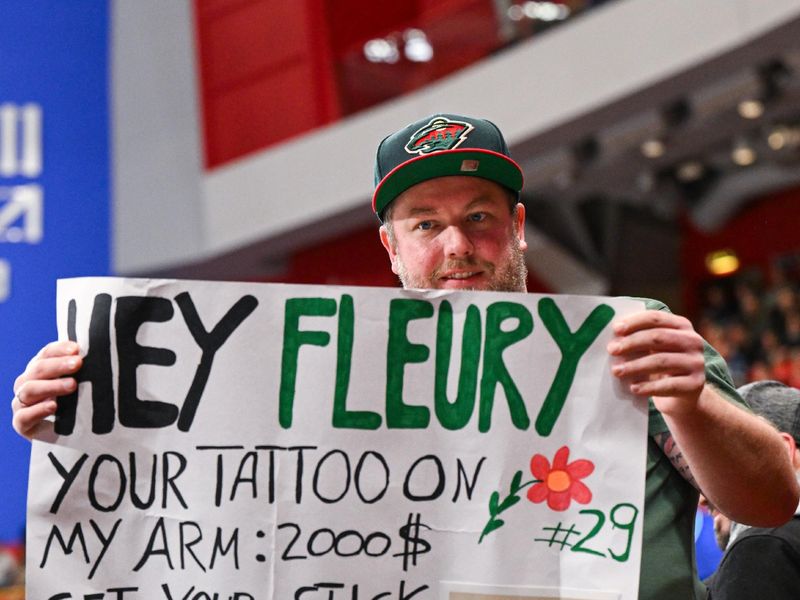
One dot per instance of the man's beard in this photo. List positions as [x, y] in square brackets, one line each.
[511, 276]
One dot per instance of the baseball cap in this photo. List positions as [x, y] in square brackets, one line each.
[776, 402]
[437, 146]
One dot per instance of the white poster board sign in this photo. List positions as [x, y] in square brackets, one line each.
[281, 442]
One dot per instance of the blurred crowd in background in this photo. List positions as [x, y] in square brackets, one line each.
[753, 320]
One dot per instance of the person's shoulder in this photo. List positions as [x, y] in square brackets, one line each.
[788, 532]
[760, 563]
[759, 543]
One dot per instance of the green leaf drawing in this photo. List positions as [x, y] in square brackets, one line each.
[491, 526]
[496, 506]
[509, 502]
[494, 500]
[516, 480]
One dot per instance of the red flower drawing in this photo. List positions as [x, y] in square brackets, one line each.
[561, 483]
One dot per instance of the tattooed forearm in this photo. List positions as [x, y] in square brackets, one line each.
[667, 444]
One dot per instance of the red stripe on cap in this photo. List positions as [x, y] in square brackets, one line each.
[455, 151]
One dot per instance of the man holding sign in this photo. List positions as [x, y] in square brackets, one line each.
[447, 197]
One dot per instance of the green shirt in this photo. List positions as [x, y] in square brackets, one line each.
[669, 569]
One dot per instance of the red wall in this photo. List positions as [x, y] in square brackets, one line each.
[274, 69]
[265, 73]
[357, 258]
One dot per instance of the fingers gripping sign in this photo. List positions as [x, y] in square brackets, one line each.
[659, 354]
[46, 377]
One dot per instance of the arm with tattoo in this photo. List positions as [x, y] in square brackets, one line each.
[738, 461]
[666, 442]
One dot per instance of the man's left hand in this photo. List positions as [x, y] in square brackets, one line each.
[659, 354]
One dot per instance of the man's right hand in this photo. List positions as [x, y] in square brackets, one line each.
[45, 378]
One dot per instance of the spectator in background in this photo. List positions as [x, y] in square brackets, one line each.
[784, 303]
[751, 308]
[791, 332]
[794, 374]
[716, 305]
[763, 562]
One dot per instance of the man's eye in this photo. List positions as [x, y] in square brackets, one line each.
[424, 225]
[477, 217]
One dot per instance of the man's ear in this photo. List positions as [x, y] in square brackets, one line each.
[791, 448]
[519, 223]
[390, 248]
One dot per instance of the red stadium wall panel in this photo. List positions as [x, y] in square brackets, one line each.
[266, 73]
[459, 32]
[273, 69]
[356, 258]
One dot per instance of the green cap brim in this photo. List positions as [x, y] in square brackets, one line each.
[470, 162]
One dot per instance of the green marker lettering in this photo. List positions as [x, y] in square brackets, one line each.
[455, 415]
[293, 338]
[399, 353]
[494, 370]
[343, 418]
[572, 347]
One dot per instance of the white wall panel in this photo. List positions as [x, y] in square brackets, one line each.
[158, 217]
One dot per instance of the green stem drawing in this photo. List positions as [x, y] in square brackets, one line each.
[496, 506]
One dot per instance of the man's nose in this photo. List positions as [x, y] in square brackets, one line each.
[457, 243]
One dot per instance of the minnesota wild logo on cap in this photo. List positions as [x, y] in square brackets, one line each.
[440, 134]
[437, 146]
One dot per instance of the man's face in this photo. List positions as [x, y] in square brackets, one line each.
[722, 528]
[457, 233]
[722, 524]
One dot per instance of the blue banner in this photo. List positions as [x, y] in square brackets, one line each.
[54, 189]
